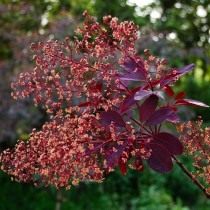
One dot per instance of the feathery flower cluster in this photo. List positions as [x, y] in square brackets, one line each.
[55, 155]
[66, 72]
[107, 105]
[196, 141]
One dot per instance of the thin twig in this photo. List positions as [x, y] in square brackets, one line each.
[192, 177]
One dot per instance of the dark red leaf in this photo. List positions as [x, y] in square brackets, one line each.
[96, 87]
[148, 107]
[134, 90]
[191, 102]
[122, 166]
[169, 142]
[130, 64]
[127, 103]
[169, 91]
[164, 113]
[112, 116]
[84, 104]
[180, 95]
[160, 159]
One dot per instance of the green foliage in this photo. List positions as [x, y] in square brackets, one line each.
[198, 89]
[136, 191]
[114, 7]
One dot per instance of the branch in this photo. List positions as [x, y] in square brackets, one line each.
[192, 177]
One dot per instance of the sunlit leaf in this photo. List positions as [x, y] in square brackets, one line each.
[191, 102]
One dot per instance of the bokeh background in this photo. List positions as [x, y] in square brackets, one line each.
[175, 29]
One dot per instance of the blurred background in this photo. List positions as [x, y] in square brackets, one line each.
[175, 29]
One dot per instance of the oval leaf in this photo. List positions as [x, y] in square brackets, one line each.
[112, 116]
[148, 107]
[130, 64]
[160, 159]
[160, 115]
[135, 70]
[127, 103]
[169, 142]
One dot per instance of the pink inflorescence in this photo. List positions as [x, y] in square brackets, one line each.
[106, 106]
[196, 141]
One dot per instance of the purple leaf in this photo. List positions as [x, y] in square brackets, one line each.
[168, 79]
[127, 103]
[123, 85]
[141, 94]
[185, 69]
[169, 142]
[191, 102]
[174, 75]
[160, 115]
[113, 157]
[135, 70]
[160, 159]
[148, 107]
[112, 116]
[174, 118]
[130, 64]
[132, 76]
